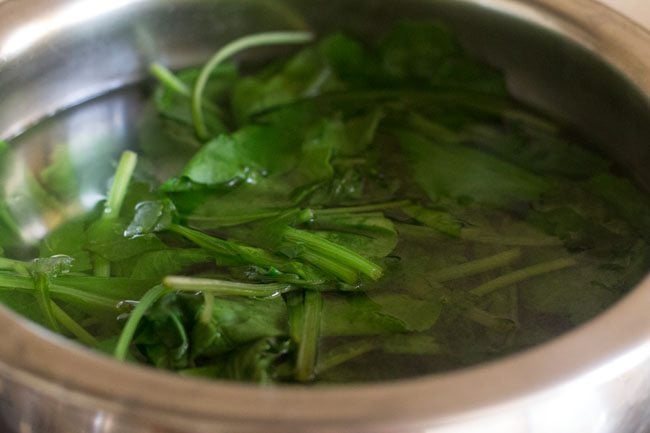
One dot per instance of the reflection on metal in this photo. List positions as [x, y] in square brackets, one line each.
[78, 12]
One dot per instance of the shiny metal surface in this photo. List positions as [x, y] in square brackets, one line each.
[576, 59]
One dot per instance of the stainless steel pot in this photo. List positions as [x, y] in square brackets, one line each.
[577, 59]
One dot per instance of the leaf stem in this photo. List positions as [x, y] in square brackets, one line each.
[479, 266]
[522, 274]
[244, 43]
[308, 348]
[361, 209]
[344, 353]
[69, 294]
[225, 288]
[128, 332]
[120, 186]
[72, 326]
[114, 201]
[207, 309]
[42, 286]
[478, 236]
[18, 266]
[334, 252]
[169, 80]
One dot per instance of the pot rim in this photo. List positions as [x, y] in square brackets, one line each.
[593, 353]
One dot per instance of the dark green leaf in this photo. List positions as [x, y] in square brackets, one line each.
[466, 174]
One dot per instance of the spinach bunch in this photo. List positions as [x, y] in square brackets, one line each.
[351, 212]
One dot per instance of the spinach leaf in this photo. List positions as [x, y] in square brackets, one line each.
[237, 321]
[372, 235]
[158, 264]
[106, 239]
[628, 201]
[306, 74]
[380, 314]
[465, 174]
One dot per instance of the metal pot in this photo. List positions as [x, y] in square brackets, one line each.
[578, 60]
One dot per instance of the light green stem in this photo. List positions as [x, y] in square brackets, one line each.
[169, 80]
[225, 288]
[334, 252]
[362, 209]
[72, 326]
[344, 353]
[479, 266]
[120, 186]
[113, 206]
[234, 47]
[522, 274]
[309, 339]
[208, 308]
[127, 334]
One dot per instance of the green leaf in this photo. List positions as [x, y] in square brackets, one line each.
[380, 314]
[306, 74]
[272, 184]
[371, 235]
[467, 175]
[106, 238]
[439, 220]
[177, 106]
[151, 217]
[24, 305]
[256, 362]
[627, 201]
[539, 150]
[60, 176]
[162, 334]
[349, 60]
[237, 321]
[65, 240]
[417, 49]
[158, 264]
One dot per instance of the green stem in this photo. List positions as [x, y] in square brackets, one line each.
[344, 353]
[127, 334]
[42, 286]
[339, 270]
[68, 294]
[522, 274]
[334, 252]
[208, 308]
[488, 320]
[361, 209]
[205, 241]
[114, 201]
[309, 338]
[478, 236]
[230, 220]
[120, 186]
[101, 266]
[295, 310]
[432, 129]
[169, 80]
[225, 288]
[173, 83]
[234, 47]
[18, 266]
[476, 101]
[479, 266]
[243, 253]
[73, 327]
